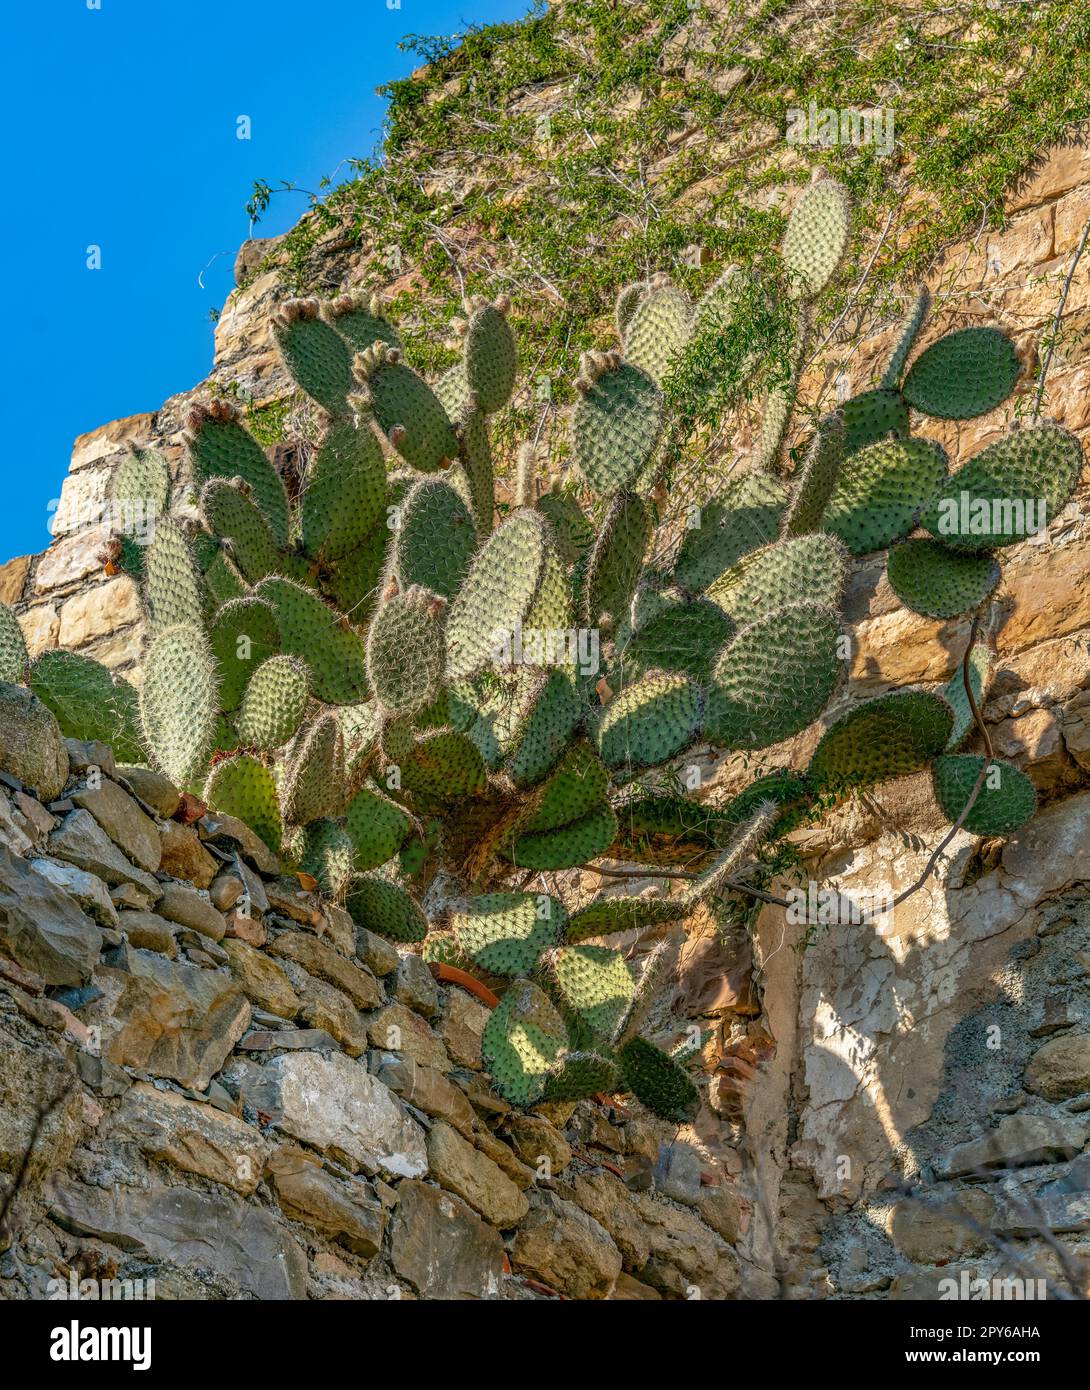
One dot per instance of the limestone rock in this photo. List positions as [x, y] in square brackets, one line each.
[461, 1026]
[31, 745]
[319, 959]
[397, 1029]
[346, 1212]
[414, 986]
[565, 1248]
[425, 1088]
[153, 789]
[90, 892]
[1018, 1141]
[606, 1198]
[146, 931]
[189, 909]
[322, 1005]
[934, 1232]
[443, 1248]
[471, 1175]
[534, 1139]
[1061, 1068]
[686, 1260]
[262, 981]
[183, 855]
[375, 952]
[42, 927]
[31, 1078]
[81, 840]
[123, 821]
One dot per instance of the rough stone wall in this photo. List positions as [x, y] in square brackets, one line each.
[246, 1095]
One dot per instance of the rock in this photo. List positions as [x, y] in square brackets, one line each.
[339, 929]
[1061, 1068]
[89, 755]
[460, 1027]
[148, 932]
[244, 1243]
[606, 1198]
[128, 895]
[324, 1006]
[677, 1173]
[90, 892]
[504, 1156]
[225, 890]
[41, 927]
[334, 1104]
[167, 1018]
[99, 612]
[1017, 1141]
[375, 952]
[414, 986]
[81, 841]
[123, 821]
[936, 1232]
[629, 1290]
[186, 907]
[346, 1212]
[231, 832]
[319, 959]
[191, 1136]
[40, 626]
[686, 1260]
[443, 1248]
[559, 1244]
[102, 1076]
[262, 981]
[721, 1209]
[31, 746]
[288, 899]
[289, 1040]
[249, 929]
[471, 1175]
[31, 1079]
[12, 578]
[153, 789]
[398, 1029]
[183, 855]
[534, 1139]
[424, 1087]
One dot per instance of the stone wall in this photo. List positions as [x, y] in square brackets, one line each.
[246, 1095]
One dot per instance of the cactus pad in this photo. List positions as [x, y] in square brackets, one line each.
[881, 739]
[649, 721]
[325, 851]
[1006, 800]
[274, 703]
[316, 356]
[230, 513]
[613, 567]
[13, 652]
[569, 845]
[244, 634]
[178, 702]
[612, 915]
[658, 1081]
[377, 828]
[490, 357]
[521, 1042]
[442, 763]
[506, 933]
[596, 983]
[684, 635]
[90, 702]
[221, 447]
[539, 738]
[344, 492]
[910, 329]
[577, 787]
[801, 569]
[320, 637]
[963, 375]
[816, 236]
[435, 538]
[745, 516]
[172, 586]
[817, 476]
[242, 786]
[881, 491]
[386, 908]
[657, 329]
[577, 1075]
[616, 424]
[981, 659]
[360, 321]
[873, 416]
[939, 582]
[314, 780]
[407, 409]
[406, 650]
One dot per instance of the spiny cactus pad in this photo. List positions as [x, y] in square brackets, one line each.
[616, 424]
[221, 447]
[274, 703]
[872, 416]
[441, 763]
[615, 561]
[658, 1081]
[774, 678]
[746, 516]
[409, 412]
[316, 355]
[13, 652]
[801, 569]
[881, 491]
[172, 586]
[406, 650]
[577, 1075]
[816, 236]
[230, 513]
[1006, 800]
[939, 582]
[963, 375]
[178, 702]
[981, 660]
[596, 983]
[521, 1042]
[490, 357]
[243, 786]
[541, 735]
[377, 827]
[568, 845]
[881, 739]
[314, 779]
[817, 476]
[244, 634]
[506, 933]
[1007, 492]
[386, 908]
[90, 702]
[657, 329]
[577, 787]
[650, 720]
[313, 632]
[685, 636]
[612, 915]
[435, 538]
[891, 377]
[326, 852]
[344, 492]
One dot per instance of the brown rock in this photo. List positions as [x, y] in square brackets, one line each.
[426, 1089]
[460, 1168]
[325, 1006]
[30, 1079]
[183, 855]
[559, 1244]
[629, 1290]
[12, 579]
[80, 840]
[41, 927]
[319, 959]
[934, 1233]
[375, 952]
[189, 909]
[72, 558]
[687, 1260]
[397, 1029]
[89, 754]
[460, 1027]
[346, 1212]
[99, 612]
[443, 1248]
[248, 929]
[1061, 1068]
[261, 979]
[153, 789]
[31, 746]
[534, 1139]
[148, 932]
[123, 821]
[230, 832]
[287, 898]
[415, 987]
[1017, 1141]
[40, 626]
[225, 890]
[606, 1198]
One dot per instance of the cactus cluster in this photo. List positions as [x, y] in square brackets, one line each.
[420, 697]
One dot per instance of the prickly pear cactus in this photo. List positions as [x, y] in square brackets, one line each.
[439, 699]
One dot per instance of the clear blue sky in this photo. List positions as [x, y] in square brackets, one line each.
[119, 128]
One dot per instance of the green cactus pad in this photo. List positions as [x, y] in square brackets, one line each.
[745, 516]
[405, 404]
[326, 853]
[774, 678]
[178, 702]
[573, 533]
[406, 650]
[910, 329]
[521, 1042]
[612, 915]
[963, 375]
[625, 305]
[816, 236]
[234, 517]
[613, 567]
[881, 491]
[139, 490]
[440, 948]
[220, 447]
[360, 322]
[570, 845]
[1008, 491]
[817, 476]
[650, 721]
[783, 787]
[244, 634]
[360, 725]
[658, 1081]
[542, 733]
[242, 786]
[498, 594]
[580, 1074]
[435, 538]
[13, 652]
[273, 704]
[881, 739]
[939, 582]
[616, 425]
[802, 569]
[777, 412]
[506, 933]
[657, 329]
[576, 788]
[222, 581]
[90, 702]
[684, 636]
[490, 357]
[344, 492]
[596, 983]
[172, 585]
[475, 466]
[873, 416]
[377, 828]
[441, 763]
[353, 583]
[386, 908]
[314, 779]
[316, 356]
[981, 659]
[1006, 800]
[317, 635]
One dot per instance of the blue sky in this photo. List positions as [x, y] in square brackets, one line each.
[120, 131]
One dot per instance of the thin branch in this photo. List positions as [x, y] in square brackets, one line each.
[1056, 322]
